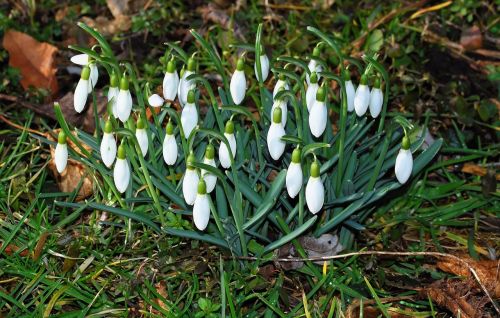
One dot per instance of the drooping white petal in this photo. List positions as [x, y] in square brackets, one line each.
[108, 149]
[351, 92]
[112, 97]
[294, 179]
[376, 101]
[312, 89]
[315, 194]
[190, 186]
[313, 66]
[184, 87]
[404, 165]
[189, 118]
[80, 59]
[155, 100]
[94, 76]
[170, 85]
[279, 85]
[121, 174]
[238, 86]
[275, 145]
[361, 99]
[142, 139]
[224, 158]
[210, 179]
[170, 150]
[317, 118]
[61, 157]
[284, 110]
[264, 66]
[124, 105]
[201, 212]
[80, 96]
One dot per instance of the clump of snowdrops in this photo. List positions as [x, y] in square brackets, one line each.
[234, 163]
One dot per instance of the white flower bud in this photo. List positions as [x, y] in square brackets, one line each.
[362, 97]
[121, 172]
[142, 139]
[238, 85]
[376, 101]
[294, 175]
[80, 59]
[351, 92]
[108, 148]
[275, 145]
[155, 100]
[94, 76]
[315, 190]
[170, 82]
[80, 96]
[264, 67]
[318, 114]
[189, 116]
[184, 87]
[61, 153]
[201, 208]
[190, 182]
[404, 162]
[210, 179]
[283, 105]
[279, 84]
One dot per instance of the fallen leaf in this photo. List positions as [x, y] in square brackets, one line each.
[474, 169]
[118, 7]
[471, 38]
[11, 249]
[106, 26]
[34, 59]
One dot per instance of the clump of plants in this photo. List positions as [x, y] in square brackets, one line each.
[233, 163]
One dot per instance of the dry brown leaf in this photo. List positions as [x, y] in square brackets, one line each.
[34, 59]
[471, 38]
[118, 7]
[471, 168]
[11, 249]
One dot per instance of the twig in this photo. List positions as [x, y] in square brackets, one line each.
[10, 123]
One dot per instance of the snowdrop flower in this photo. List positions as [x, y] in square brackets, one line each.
[121, 173]
[315, 191]
[362, 97]
[186, 85]
[61, 152]
[209, 178]
[170, 81]
[350, 91]
[376, 99]
[170, 145]
[155, 100]
[108, 145]
[404, 162]
[294, 176]
[312, 89]
[318, 114]
[224, 156]
[124, 100]
[80, 59]
[189, 116]
[142, 136]
[94, 75]
[283, 105]
[81, 90]
[275, 145]
[264, 65]
[238, 85]
[201, 208]
[190, 181]
[314, 65]
[280, 84]
[113, 93]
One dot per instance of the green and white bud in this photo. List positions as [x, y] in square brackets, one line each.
[124, 100]
[362, 97]
[108, 145]
[201, 208]
[121, 172]
[189, 116]
[404, 162]
[315, 190]
[318, 114]
[275, 145]
[238, 85]
[294, 175]
[224, 156]
[61, 152]
[190, 181]
[82, 90]
[142, 136]
[170, 145]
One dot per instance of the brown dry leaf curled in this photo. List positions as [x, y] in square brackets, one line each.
[34, 59]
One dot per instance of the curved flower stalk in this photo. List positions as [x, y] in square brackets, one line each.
[82, 90]
[142, 136]
[282, 104]
[404, 161]
[113, 93]
[350, 91]
[189, 116]
[294, 175]
[186, 85]
[275, 145]
[170, 81]
[224, 155]
[376, 99]
[201, 208]
[312, 89]
[61, 152]
[155, 100]
[318, 114]
[124, 100]
[281, 83]
[170, 145]
[314, 65]
[190, 181]
[315, 190]
[209, 178]
[94, 74]
[362, 97]
[238, 85]
[121, 172]
[108, 145]
[264, 65]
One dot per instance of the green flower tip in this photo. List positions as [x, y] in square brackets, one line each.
[170, 128]
[210, 152]
[141, 123]
[347, 75]
[363, 80]
[61, 138]
[191, 159]
[108, 127]
[315, 169]
[281, 77]
[277, 114]
[171, 66]
[124, 83]
[314, 78]
[191, 64]
[190, 97]
[405, 144]
[85, 75]
[321, 94]
[229, 127]
[202, 187]
[241, 64]
[317, 50]
[377, 82]
[113, 81]
[296, 155]
[121, 152]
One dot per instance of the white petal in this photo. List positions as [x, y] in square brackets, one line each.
[376, 101]
[108, 149]
[313, 67]
[278, 86]
[80, 59]
[361, 99]
[112, 96]
[121, 175]
[142, 139]
[317, 118]
[232, 142]
[224, 158]
[201, 212]
[312, 89]
[94, 76]
[351, 92]
[189, 118]
[80, 97]
[184, 87]
[210, 179]
[155, 100]
[294, 179]
[404, 165]
[238, 86]
[170, 150]
[284, 110]
[315, 194]
[124, 105]
[264, 67]
[190, 186]
[61, 157]
[170, 85]
[274, 143]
